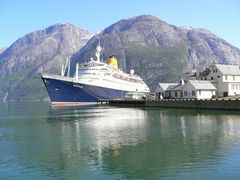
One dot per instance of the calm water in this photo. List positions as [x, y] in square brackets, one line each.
[101, 142]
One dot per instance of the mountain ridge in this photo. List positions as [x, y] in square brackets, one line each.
[156, 50]
[36, 52]
[150, 41]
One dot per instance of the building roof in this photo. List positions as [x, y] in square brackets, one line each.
[202, 85]
[164, 86]
[228, 69]
[175, 88]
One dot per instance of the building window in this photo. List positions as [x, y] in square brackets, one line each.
[175, 94]
[205, 78]
[200, 92]
[185, 93]
[225, 77]
[167, 94]
[234, 78]
[211, 78]
[193, 93]
[218, 76]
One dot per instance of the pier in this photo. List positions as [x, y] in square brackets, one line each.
[221, 104]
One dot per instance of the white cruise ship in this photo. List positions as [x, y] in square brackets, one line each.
[93, 80]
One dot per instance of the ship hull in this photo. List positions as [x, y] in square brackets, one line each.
[68, 93]
[65, 93]
[104, 93]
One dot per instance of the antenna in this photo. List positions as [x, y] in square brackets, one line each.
[64, 67]
[76, 73]
[102, 49]
[99, 42]
[63, 71]
[98, 51]
[69, 63]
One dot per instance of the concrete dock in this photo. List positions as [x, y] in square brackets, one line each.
[221, 104]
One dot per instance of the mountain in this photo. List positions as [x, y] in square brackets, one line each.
[156, 50]
[2, 50]
[40, 51]
[159, 51]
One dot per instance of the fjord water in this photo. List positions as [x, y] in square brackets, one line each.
[38, 141]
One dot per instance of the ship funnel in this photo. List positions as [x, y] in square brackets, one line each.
[112, 61]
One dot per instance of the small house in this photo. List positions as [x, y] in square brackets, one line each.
[160, 90]
[196, 89]
[174, 92]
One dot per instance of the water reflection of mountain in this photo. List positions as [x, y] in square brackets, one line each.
[146, 143]
[177, 141]
[108, 142]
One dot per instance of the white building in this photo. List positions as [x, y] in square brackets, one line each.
[174, 92]
[134, 95]
[197, 89]
[161, 89]
[226, 78]
[220, 80]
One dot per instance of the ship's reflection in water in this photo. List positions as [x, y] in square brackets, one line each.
[92, 130]
[141, 143]
[102, 142]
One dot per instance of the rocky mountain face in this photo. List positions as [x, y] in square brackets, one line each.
[2, 50]
[158, 51]
[40, 51]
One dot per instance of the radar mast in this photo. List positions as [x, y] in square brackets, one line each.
[98, 51]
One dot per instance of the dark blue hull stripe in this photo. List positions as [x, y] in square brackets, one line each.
[63, 91]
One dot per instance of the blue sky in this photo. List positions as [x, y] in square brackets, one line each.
[19, 17]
